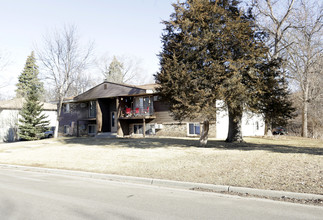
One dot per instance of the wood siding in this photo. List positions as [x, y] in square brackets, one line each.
[163, 115]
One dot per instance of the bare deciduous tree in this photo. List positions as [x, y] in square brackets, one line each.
[305, 55]
[82, 83]
[273, 17]
[63, 60]
[315, 111]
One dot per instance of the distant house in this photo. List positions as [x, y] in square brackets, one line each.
[9, 115]
[127, 110]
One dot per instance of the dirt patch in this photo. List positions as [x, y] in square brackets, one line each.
[284, 163]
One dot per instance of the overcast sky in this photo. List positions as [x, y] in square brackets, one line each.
[117, 27]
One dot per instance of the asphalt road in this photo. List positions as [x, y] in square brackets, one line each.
[31, 195]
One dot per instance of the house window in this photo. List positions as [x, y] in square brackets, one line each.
[92, 109]
[257, 125]
[150, 129]
[194, 129]
[137, 129]
[92, 129]
[113, 118]
[66, 108]
[66, 129]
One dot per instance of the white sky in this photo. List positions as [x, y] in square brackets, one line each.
[117, 27]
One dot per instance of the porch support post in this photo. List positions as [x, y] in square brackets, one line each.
[98, 117]
[118, 107]
[144, 127]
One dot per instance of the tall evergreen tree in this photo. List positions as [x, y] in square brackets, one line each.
[28, 77]
[115, 71]
[33, 121]
[211, 51]
[274, 102]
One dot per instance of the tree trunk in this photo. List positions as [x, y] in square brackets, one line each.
[205, 133]
[56, 128]
[59, 110]
[305, 111]
[235, 118]
[304, 119]
[268, 127]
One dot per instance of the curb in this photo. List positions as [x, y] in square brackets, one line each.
[169, 183]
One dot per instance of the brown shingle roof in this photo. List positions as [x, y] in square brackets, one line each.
[109, 90]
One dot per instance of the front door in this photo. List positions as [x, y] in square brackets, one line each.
[113, 121]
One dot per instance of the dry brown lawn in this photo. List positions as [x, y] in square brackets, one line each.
[280, 163]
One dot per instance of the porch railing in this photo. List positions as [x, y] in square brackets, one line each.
[137, 112]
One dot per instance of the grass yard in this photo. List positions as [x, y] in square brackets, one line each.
[278, 163]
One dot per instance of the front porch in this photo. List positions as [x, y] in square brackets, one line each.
[133, 114]
[136, 107]
[124, 116]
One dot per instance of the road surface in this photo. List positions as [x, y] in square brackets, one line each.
[33, 195]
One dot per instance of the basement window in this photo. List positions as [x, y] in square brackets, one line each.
[150, 129]
[92, 129]
[194, 128]
[137, 129]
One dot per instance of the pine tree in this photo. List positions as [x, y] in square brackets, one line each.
[115, 71]
[32, 122]
[210, 52]
[28, 77]
[274, 102]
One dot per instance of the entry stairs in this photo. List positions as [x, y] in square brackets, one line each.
[106, 135]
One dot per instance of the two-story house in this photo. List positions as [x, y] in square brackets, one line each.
[126, 110]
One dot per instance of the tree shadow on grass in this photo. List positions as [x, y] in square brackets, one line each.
[148, 143]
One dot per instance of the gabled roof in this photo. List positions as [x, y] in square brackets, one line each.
[17, 103]
[109, 90]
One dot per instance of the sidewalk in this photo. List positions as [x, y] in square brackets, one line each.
[174, 184]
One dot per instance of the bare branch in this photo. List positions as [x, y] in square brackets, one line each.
[277, 25]
[63, 60]
[305, 57]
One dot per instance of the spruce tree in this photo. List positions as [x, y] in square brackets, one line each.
[32, 122]
[115, 71]
[274, 102]
[28, 77]
[210, 52]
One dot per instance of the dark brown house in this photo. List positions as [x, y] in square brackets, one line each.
[117, 109]
[113, 109]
